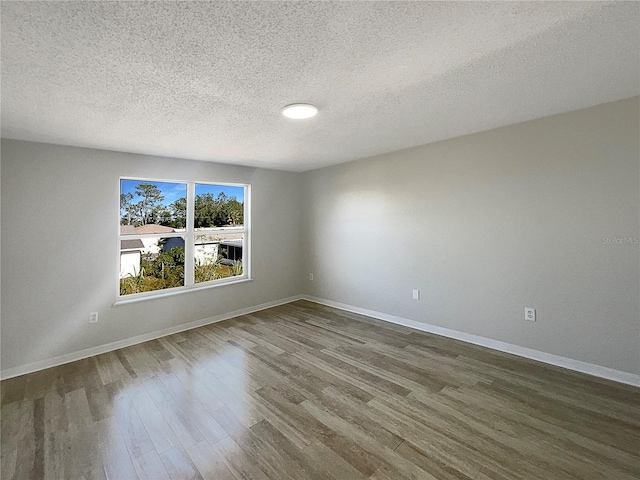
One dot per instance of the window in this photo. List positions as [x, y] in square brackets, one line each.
[178, 235]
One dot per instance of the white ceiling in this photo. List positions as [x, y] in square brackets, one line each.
[206, 80]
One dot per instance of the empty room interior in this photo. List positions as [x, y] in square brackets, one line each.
[320, 240]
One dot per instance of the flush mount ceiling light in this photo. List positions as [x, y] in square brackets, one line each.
[298, 111]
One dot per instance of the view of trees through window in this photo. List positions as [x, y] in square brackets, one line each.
[155, 236]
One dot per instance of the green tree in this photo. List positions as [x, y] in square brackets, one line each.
[234, 211]
[162, 215]
[179, 213]
[205, 211]
[217, 212]
[220, 216]
[126, 209]
[151, 199]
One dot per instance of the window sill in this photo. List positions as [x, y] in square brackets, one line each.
[177, 291]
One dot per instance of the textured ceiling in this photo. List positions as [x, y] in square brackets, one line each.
[206, 80]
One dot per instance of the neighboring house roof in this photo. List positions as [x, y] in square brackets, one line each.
[135, 244]
[232, 243]
[217, 237]
[127, 229]
[153, 228]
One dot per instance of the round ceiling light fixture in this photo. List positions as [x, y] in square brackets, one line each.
[299, 111]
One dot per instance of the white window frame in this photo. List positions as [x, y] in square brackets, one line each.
[189, 236]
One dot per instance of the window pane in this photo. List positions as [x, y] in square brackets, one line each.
[218, 256]
[218, 206]
[152, 207]
[151, 263]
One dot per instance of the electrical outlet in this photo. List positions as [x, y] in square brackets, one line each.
[416, 294]
[530, 314]
[93, 317]
[311, 276]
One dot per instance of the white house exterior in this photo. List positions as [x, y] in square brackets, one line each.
[151, 244]
[207, 246]
[130, 255]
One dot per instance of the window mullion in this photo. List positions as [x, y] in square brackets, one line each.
[189, 241]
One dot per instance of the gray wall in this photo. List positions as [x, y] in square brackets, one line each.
[487, 224]
[59, 248]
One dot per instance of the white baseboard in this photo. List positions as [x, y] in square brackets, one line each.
[557, 360]
[569, 363]
[109, 347]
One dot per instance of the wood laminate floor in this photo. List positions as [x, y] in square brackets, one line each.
[303, 391]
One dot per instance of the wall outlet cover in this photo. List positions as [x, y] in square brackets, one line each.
[530, 314]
